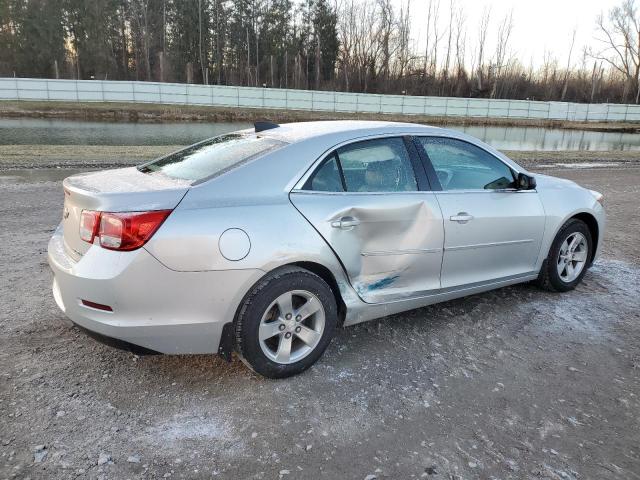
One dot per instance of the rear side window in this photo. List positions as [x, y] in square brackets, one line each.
[212, 157]
[380, 165]
[327, 177]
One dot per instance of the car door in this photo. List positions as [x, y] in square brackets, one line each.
[370, 202]
[492, 230]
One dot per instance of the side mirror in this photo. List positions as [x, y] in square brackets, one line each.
[526, 182]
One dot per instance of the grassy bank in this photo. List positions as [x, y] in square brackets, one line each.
[127, 112]
[106, 156]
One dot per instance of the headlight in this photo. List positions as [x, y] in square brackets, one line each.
[598, 196]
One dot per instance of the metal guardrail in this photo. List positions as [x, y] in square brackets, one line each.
[286, 99]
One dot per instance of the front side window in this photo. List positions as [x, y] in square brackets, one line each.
[462, 166]
[212, 157]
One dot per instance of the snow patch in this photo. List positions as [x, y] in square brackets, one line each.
[614, 279]
[587, 165]
[182, 429]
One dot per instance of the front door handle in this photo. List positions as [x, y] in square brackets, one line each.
[345, 223]
[462, 217]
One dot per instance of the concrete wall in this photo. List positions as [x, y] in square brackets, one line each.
[247, 97]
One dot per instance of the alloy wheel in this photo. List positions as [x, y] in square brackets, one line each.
[292, 326]
[572, 257]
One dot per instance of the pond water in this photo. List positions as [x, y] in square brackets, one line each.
[71, 132]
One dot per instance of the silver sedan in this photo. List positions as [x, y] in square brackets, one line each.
[264, 241]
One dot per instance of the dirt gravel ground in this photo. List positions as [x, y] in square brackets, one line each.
[515, 383]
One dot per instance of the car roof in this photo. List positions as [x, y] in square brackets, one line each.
[301, 131]
[276, 173]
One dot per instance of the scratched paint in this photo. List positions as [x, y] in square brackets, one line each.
[383, 283]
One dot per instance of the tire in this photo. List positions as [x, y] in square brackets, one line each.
[272, 320]
[555, 275]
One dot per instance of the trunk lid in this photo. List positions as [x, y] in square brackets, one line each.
[120, 190]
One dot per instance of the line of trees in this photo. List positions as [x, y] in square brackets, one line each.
[344, 45]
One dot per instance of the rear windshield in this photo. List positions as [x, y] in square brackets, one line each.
[212, 157]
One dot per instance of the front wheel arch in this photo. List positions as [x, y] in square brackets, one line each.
[594, 230]
[549, 276]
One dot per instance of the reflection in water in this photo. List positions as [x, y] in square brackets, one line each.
[70, 132]
[532, 138]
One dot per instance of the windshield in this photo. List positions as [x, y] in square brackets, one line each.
[212, 157]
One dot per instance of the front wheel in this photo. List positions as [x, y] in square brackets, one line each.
[568, 258]
[286, 322]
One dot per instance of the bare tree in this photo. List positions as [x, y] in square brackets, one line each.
[482, 41]
[565, 83]
[620, 40]
[385, 32]
[502, 46]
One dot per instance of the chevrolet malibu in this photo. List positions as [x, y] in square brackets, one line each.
[264, 241]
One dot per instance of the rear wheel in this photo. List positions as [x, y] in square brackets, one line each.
[286, 322]
[568, 258]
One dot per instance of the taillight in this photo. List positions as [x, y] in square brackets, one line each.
[129, 230]
[89, 223]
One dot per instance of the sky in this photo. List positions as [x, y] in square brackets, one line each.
[539, 25]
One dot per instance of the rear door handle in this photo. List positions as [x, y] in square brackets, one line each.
[462, 217]
[345, 223]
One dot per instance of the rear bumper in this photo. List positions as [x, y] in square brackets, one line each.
[153, 307]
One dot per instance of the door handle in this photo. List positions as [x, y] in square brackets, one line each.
[462, 217]
[345, 223]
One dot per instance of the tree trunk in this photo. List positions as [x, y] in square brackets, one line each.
[271, 68]
[318, 64]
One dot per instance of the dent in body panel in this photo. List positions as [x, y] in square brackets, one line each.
[395, 250]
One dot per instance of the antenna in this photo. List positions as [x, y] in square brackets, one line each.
[264, 125]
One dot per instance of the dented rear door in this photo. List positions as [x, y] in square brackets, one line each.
[390, 242]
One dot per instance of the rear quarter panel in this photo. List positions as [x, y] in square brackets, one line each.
[189, 240]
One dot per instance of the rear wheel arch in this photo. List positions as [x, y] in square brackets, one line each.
[314, 267]
[328, 276]
[227, 343]
[293, 280]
